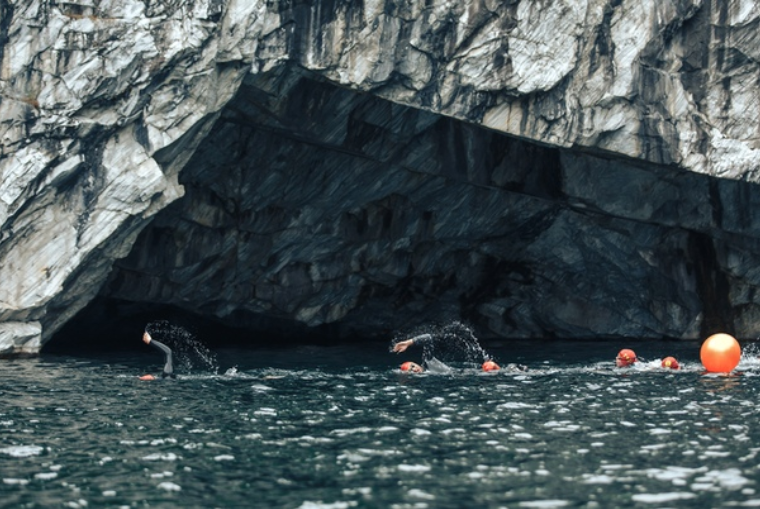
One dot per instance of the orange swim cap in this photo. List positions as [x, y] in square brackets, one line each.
[412, 367]
[625, 357]
[490, 366]
[670, 362]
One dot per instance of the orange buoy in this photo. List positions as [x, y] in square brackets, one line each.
[490, 366]
[720, 353]
[625, 357]
[670, 362]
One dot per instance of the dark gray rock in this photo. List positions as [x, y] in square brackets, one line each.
[572, 168]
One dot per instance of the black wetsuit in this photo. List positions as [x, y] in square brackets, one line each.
[169, 366]
[427, 342]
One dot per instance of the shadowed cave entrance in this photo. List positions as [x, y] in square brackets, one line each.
[317, 214]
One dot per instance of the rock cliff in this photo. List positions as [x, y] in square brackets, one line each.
[573, 168]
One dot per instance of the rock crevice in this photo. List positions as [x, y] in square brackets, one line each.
[572, 168]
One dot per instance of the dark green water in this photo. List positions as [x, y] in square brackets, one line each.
[339, 427]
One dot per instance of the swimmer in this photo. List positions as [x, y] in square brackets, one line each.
[625, 358]
[168, 371]
[427, 341]
[452, 341]
[670, 362]
[490, 366]
[411, 367]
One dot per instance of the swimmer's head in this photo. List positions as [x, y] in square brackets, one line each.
[411, 367]
[670, 362]
[625, 357]
[490, 366]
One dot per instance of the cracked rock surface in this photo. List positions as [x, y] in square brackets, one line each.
[538, 169]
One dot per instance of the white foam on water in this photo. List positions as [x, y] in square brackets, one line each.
[615, 466]
[423, 495]
[261, 388]
[714, 454]
[13, 480]
[169, 486]
[730, 479]
[75, 504]
[353, 457]
[308, 504]
[162, 441]
[417, 469]
[514, 405]
[224, 457]
[597, 479]
[353, 431]
[365, 491]
[381, 452]
[659, 498]
[46, 476]
[544, 504]
[22, 451]
[167, 456]
[676, 475]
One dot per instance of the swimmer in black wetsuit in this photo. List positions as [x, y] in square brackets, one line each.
[168, 366]
[453, 335]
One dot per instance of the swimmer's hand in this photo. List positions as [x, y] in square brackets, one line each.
[402, 345]
[147, 377]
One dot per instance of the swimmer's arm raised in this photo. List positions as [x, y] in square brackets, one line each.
[403, 345]
[169, 365]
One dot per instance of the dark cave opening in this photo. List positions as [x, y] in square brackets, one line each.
[108, 325]
[324, 216]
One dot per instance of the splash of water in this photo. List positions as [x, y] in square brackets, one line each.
[453, 342]
[190, 353]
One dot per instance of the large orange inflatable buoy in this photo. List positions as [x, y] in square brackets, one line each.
[720, 353]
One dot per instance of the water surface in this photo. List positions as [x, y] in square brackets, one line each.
[339, 427]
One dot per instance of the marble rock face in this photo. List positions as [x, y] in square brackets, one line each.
[536, 169]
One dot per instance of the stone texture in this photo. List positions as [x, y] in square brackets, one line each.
[346, 164]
